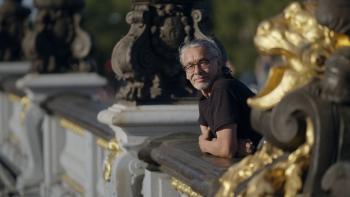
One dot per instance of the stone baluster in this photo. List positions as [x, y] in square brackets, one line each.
[60, 54]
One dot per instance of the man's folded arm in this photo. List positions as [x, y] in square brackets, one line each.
[225, 145]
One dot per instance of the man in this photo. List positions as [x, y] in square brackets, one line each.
[223, 112]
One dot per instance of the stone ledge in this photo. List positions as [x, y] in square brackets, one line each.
[81, 110]
[179, 156]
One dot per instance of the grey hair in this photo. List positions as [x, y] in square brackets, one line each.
[209, 45]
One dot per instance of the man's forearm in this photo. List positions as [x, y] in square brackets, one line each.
[214, 147]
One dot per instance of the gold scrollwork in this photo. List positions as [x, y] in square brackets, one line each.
[74, 185]
[102, 143]
[183, 188]
[71, 126]
[284, 176]
[114, 150]
[304, 46]
[246, 168]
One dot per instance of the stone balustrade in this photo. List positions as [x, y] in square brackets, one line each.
[55, 146]
[58, 138]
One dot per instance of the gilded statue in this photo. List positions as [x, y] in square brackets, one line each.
[303, 107]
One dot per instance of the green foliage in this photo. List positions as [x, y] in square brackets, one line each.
[105, 21]
[235, 23]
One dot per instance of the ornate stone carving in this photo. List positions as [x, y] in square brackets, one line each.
[57, 43]
[146, 59]
[303, 115]
[13, 18]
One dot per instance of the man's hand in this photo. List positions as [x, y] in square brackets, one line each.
[203, 137]
[201, 141]
[225, 145]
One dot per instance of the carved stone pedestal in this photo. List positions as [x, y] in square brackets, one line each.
[132, 126]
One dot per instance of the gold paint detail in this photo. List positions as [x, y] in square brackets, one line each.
[246, 168]
[71, 126]
[284, 176]
[303, 44]
[13, 98]
[342, 41]
[25, 104]
[114, 150]
[102, 143]
[183, 188]
[74, 185]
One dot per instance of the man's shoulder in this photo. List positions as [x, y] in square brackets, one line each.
[223, 81]
[232, 84]
[226, 83]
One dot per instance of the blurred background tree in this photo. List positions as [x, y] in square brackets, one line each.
[105, 21]
[234, 24]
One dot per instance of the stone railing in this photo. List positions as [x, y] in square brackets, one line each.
[58, 138]
[175, 163]
[51, 142]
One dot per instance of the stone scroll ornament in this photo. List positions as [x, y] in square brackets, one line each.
[303, 110]
[13, 20]
[57, 43]
[146, 59]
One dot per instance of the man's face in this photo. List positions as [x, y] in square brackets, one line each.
[200, 67]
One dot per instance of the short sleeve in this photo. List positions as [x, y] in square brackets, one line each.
[225, 108]
[201, 119]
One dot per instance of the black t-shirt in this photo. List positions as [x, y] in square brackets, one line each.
[227, 104]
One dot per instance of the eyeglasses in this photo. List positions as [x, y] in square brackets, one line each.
[202, 64]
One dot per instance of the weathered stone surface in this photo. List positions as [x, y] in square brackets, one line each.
[81, 110]
[179, 156]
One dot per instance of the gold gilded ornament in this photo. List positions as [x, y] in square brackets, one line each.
[303, 44]
[284, 176]
[246, 168]
[114, 150]
[183, 188]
